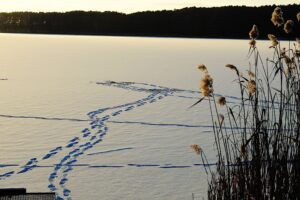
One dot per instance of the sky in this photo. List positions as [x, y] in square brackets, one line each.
[125, 6]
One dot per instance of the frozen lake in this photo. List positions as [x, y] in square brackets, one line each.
[95, 117]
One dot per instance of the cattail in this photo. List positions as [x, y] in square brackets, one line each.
[202, 68]
[277, 18]
[196, 149]
[252, 43]
[253, 34]
[222, 101]
[274, 40]
[232, 67]
[207, 85]
[251, 87]
[298, 16]
[288, 26]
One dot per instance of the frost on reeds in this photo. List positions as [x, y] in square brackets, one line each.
[258, 151]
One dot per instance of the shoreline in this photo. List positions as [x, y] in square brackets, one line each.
[137, 36]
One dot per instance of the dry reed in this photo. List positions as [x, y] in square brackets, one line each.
[259, 158]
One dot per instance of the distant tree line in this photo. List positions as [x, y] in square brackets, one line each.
[217, 22]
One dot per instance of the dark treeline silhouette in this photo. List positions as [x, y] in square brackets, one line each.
[218, 22]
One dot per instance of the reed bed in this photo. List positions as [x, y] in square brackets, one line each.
[258, 157]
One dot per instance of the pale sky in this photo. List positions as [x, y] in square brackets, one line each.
[126, 6]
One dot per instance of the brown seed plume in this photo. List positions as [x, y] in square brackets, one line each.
[196, 148]
[206, 85]
[222, 101]
[251, 87]
[288, 26]
[253, 34]
[277, 17]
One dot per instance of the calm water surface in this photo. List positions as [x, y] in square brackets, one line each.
[64, 129]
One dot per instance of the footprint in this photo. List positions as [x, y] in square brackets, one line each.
[31, 161]
[85, 130]
[52, 176]
[116, 113]
[56, 149]
[78, 154]
[86, 134]
[71, 162]
[97, 141]
[152, 101]
[66, 192]
[49, 155]
[8, 174]
[26, 169]
[129, 108]
[63, 181]
[58, 198]
[74, 151]
[71, 144]
[52, 187]
[92, 138]
[68, 169]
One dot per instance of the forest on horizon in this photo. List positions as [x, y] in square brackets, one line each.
[216, 22]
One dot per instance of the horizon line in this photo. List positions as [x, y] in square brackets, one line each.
[160, 10]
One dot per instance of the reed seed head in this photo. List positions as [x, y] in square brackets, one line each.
[222, 101]
[251, 74]
[232, 67]
[298, 16]
[288, 26]
[202, 68]
[196, 148]
[252, 43]
[277, 18]
[273, 39]
[253, 34]
[251, 87]
[206, 85]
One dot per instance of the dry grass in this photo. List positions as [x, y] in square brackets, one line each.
[258, 158]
